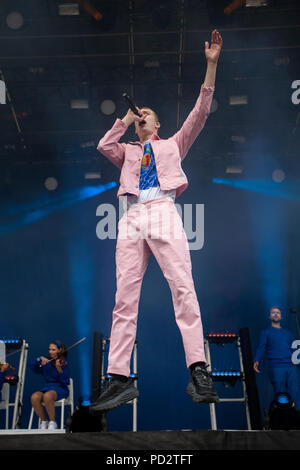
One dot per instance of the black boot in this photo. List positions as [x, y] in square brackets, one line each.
[201, 386]
[115, 393]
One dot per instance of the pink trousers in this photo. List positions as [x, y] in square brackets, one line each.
[153, 227]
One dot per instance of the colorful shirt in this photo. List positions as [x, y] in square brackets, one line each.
[148, 176]
[149, 184]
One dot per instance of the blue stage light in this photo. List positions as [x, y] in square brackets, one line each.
[283, 398]
[282, 190]
[230, 377]
[11, 342]
[81, 276]
[46, 205]
[283, 413]
[85, 402]
[268, 216]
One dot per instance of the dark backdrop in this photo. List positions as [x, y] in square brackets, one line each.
[58, 281]
[57, 277]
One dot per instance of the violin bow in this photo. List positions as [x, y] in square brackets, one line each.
[67, 349]
[75, 344]
[13, 352]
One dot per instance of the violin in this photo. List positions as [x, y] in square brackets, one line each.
[60, 355]
[9, 366]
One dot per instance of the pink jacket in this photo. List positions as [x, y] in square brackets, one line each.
[168, 152]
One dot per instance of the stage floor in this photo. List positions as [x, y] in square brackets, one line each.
[181, 440]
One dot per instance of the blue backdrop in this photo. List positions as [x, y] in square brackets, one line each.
[58, 281]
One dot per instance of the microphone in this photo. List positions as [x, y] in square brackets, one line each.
[132, 106]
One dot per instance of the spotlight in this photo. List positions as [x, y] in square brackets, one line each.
[90, 9]
[51, 183]
[15, 20]
[238, 100]
[108, 107]
[233, 6]
[68, 9]
[132, 375]
[283, 413]
[92, 176]
[221, 338]
[234, 169]
[256, 3]
[283, 399]
[79, 104]
[230, 377]
[85, 402]
[278, 176]
[11, 343]
[11, 379]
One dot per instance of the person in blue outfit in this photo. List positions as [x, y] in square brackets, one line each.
[276, 343]
[55, 371]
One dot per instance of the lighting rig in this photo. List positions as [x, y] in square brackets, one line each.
[11, 346]
[228, 376]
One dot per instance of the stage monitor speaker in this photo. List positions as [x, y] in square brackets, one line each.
[83, 421]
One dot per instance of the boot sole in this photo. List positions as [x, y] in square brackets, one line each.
[202, 398]
[124, 397]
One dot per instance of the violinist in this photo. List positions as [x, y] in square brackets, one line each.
[55, 371]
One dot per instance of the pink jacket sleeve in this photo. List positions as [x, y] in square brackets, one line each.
[195, 121]
[109, 145]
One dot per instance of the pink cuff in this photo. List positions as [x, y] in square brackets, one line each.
[119, 121]
[207, 88]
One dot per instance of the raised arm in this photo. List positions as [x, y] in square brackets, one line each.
[212, 54]
[194, 123]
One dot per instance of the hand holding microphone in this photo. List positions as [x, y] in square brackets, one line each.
[134, 113]
[131, 105]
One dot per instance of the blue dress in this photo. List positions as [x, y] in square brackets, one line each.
[54, 380]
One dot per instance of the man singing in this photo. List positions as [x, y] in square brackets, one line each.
[151, 178]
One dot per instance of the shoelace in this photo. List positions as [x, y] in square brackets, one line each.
[108, 384]
[201, 371]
